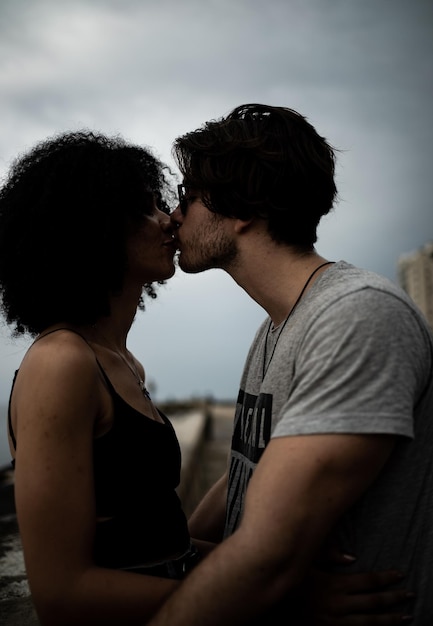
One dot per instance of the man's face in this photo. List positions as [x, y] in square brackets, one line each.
[204, 239]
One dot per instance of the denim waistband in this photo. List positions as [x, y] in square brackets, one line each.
[173, 568]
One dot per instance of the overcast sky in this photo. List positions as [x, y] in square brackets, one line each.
[360, 70]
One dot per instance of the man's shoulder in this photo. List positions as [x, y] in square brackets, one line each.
[346, 295]
[353, 277]
[344, 280]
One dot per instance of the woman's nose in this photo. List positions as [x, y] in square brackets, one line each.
[176, 217]
[165, 221]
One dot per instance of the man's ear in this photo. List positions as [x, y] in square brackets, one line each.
[241, 226]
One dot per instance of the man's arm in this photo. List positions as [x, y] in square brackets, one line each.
[300, 488]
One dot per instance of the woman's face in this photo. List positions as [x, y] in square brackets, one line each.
[151, 248]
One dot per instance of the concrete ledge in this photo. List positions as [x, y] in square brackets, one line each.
[16, 607]
[192, 430]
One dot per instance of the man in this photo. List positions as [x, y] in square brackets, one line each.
[333, 430]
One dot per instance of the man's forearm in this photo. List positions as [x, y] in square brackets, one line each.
[215, 593]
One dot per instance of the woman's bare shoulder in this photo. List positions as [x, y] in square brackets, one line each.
[59, 348]
[61, 365]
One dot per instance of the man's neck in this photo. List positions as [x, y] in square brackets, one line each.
[274, 276]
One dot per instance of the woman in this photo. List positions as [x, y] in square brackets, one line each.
[84, 232]
[84, 225]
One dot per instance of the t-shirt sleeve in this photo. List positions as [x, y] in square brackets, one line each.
[359, 369]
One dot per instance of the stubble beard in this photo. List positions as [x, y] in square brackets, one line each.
[207, 249]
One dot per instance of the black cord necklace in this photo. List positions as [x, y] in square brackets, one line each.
[298, 299]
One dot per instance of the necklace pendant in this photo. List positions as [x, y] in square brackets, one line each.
[144, 391]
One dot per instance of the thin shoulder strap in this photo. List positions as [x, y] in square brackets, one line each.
[11, 432]
[50, 332]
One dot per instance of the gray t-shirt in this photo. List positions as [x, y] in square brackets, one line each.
[356, 356]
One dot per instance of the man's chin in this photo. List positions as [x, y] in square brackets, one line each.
[189, 268]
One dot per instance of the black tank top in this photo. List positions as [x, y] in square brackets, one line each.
[136, 468]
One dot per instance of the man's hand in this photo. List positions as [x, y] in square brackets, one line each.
[354, 599]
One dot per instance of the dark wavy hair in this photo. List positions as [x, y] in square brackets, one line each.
[66, 210]
[262, 161]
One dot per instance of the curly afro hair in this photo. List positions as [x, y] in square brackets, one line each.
[66, 209]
